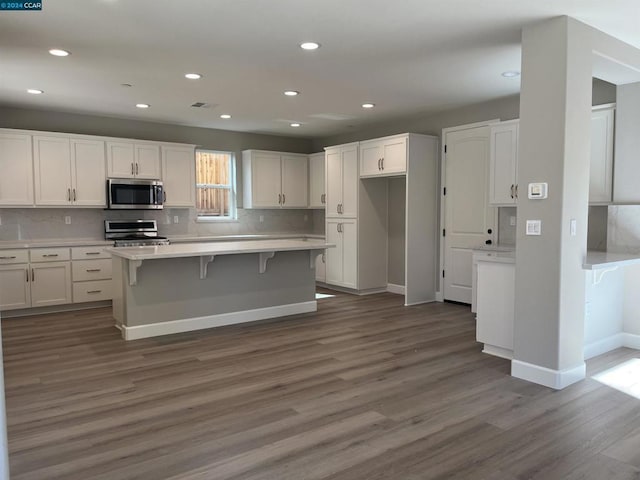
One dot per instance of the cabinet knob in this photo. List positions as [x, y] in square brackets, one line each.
[489, 231]
[488, 242]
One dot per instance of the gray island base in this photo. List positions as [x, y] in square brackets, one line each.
[169, 289]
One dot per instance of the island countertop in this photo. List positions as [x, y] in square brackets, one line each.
[602, 260]
[216, 248]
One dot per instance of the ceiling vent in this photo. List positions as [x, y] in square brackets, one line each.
[201, 105]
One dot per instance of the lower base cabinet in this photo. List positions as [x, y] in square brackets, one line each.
[321, 268]
[15, 288]
[50, 284]
[342, 261]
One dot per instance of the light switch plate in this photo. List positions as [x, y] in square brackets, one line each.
[534, 227]
[538, 191]
[573, 227]
[512, 220]
[67, 220]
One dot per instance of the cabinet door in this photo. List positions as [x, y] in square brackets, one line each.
[50, 284]
[503, 161]
[294, 181]
[16, 167]
[148, 161]
[52, 160]
[316, 181]
[601, 172]
[350, 253]
[178, 176]
[266, 186]
[333, 182]
[350, 181]
[14, 287]
[371, 159]
[120, 160]
[334, 255]
[321, 269]
[394, 156]
[496, 304]
[88, 173]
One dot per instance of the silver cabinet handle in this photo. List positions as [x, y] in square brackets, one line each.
[90, 270]
[137, 168]
[27, 272]
[516, 190]
[279, 199]
[382, 163]
[92, 253]
[68, 194]
[132, 168]
[74, 194]
[7, 258]
[512, 190]
[94, 291]
[33, 275]
[164, 196]
[338, 227]
[284, 198]
[379, 167]
[47, 255]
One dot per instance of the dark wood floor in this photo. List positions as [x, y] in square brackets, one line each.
[364, 389]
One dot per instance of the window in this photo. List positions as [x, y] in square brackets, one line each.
[215, 185]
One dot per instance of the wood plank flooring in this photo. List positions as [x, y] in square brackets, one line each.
[363, 389]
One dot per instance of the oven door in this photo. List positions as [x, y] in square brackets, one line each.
[134, 194]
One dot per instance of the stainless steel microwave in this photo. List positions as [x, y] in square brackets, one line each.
[134, 194]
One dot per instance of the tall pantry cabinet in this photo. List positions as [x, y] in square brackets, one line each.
[368, 186]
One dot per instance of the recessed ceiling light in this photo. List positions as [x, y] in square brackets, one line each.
[368, 105]
[58, 52]
[225, 116]
[193, 76]
[34, 91]
[309, 46]
[291, 93]
[511, 74]
[142, 105]
[295, 125]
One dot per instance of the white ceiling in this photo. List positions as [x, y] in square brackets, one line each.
[406, 56]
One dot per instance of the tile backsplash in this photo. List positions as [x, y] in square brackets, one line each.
[623, 229]
[40, 223]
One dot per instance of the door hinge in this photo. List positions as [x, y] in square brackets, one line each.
[442, 273]
[444, 232]
[445, 149]
[444, 191]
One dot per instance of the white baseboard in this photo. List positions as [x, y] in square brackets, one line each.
[556, 379]
[393, 288]
[497, 351]
[439, 297]
[200, 323]
[67, 307]
[630, 340]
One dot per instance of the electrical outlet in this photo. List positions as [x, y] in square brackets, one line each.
[0, 220]
[261, 218]
[67, 219]
[512, 221]
[306, 218]
[176, 219]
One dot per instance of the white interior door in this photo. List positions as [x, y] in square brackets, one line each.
[469, 221]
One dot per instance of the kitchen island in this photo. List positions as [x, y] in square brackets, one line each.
[160, 290]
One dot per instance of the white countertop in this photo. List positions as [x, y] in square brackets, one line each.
[256, 236]
[496, 256]
[52, 242]
[217, 248]
[602, 260]
[496, 248]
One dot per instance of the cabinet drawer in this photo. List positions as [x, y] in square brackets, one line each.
[8, 257]
[94, 291]
[49, 254]
[83, 270]
[89, 253]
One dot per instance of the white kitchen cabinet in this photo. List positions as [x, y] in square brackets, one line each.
[383, 157]
[316, 180]
[274, 179]
[342, 261]
[342, 181]
[16, 169]
[50, 284]
[15, 287]
[133, 160]
[496, 305]
[503, 163]
[91, 274]
[69, 171]
[601, 172]
[178, 176]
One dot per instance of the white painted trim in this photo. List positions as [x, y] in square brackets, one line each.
[556, 379]
[67, 307]
[498, 351]
[439, 296]
[398, 289]
[631, 341]
[603, 346]
[232, 318]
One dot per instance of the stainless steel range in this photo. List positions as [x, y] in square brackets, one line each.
[133, 233]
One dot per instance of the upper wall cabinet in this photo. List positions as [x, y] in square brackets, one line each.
[274, 179]
[317, 197]
[16, 169]
[133, 160]
[601, 173]
[178, 175]
[69, 171]
[503, 163]
[383, 157]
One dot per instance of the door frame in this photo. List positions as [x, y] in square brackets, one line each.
[443, 143]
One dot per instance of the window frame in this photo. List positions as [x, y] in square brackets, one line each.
[232, 187]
